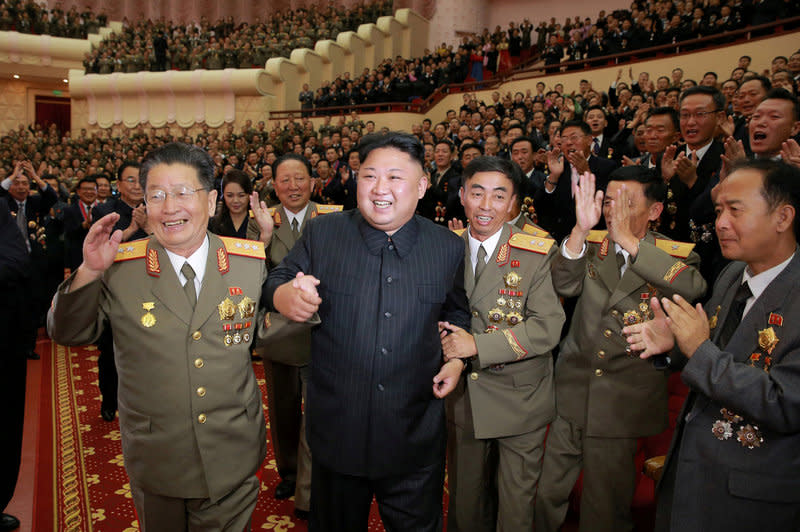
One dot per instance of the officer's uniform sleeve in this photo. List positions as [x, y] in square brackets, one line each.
[76, 318]
[670, 274]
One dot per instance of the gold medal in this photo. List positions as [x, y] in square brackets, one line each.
[592, 271]
[631, 318]
[496, 315]
[148, 320]
[512, 279]
[228, 340]
[511, 304]
[767, 340]
[227, 310]
[237, 338]
[501, 301]
[247, 307]
[712, 321]
[246, 337]
[513, 318]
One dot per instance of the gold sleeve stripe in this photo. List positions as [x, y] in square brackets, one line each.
[674, 271]
[514, 343]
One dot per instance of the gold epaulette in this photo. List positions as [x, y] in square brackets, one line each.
[327, 209]
[459, 232]
[243, 247]
[135, 249]
[535, 231]
[531, 243]
[596, 236]
[675, 248]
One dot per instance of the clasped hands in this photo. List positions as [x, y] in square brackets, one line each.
[298, 299]
[674, 321]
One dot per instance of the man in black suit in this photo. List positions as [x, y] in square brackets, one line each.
[28, 211]
[380, 278]
[596, 117]
[733, 462]
[444, 184]
[77, 221]
[555, 206]
[14, 275]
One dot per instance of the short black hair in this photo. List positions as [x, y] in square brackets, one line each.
[596, 107]
[470, 146]
[716, 95]
[534, 144]
[291, 156]
[90, 179]
[580, 124]
[508, 168]
[180, 153]
[655, 189]
[766, 84]
[781, 184]
[783, 94]
[447, 141]
[712, 74]
[122, 167]
[404, 142]
[669, 111]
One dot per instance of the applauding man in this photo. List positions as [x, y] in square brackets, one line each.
[607, 398]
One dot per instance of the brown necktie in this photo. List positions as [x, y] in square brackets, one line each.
[188, 288]
[295, 229]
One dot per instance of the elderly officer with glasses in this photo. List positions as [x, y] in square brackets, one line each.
[183, 308]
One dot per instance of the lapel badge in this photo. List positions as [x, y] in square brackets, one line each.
[153, 268]
[247, 307]
[496, 315]
[227, 310]
[235, 291]
[722, 429]
[712, 321]
[749, 436]
[767, 340]
[775, 319]
[512, 279]
[148, 320]
[515, 264]
[592, 271]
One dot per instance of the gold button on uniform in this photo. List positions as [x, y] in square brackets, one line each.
[197, 335]
[475, 314]
[615, 313]
[201, 418]
[598, 372]
[601, 354]
[473, 375]
[198, 363]
[607, 333]
[201, 392]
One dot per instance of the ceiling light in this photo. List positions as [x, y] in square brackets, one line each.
[16, 76]
[65, 80]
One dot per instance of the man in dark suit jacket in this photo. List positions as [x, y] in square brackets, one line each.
[77, 221]
[28, 211]
[380, 278]
[555, 206]
[443, 189]
[733, 463]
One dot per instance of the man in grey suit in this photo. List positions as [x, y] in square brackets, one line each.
[498, 413]
[182, 305]
[286, 361]
[733, 463]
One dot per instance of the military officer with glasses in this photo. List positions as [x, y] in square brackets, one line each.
[183, 307]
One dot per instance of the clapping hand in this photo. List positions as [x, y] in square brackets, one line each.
[652, 337]
[261, 214]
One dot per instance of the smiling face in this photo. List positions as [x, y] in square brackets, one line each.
[699, 119]
[390, 183]
[179, 224]
[488, 198]
[292, 185]
[235, 198]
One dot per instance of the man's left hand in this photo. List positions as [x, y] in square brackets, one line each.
[458, 343]
[261, 214]
[689, 324]
[619, 226]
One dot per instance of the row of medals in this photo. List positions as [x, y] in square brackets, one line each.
[508, 308]
[227, 312]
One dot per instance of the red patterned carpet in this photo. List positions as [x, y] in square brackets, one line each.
[89, 488]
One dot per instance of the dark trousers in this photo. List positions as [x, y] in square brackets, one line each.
[406, 502]
[285, 400]
[107, 368]
[13, 369]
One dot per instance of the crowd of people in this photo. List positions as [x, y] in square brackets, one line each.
[34, 18]
[483, 55]
[666, 151]
[160, 45]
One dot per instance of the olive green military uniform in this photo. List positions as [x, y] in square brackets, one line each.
[190, 410]
[606, 397]
[502, 405]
